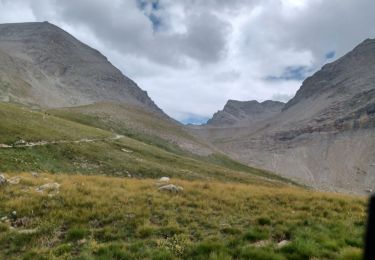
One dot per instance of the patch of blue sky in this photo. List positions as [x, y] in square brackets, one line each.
[292, 73]
[330, 55]
[151, 13]
[194, 120]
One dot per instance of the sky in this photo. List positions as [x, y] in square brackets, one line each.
[191, 56]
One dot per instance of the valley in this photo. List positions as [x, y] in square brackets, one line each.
[92, 168]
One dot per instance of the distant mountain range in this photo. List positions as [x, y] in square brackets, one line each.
[324, 137]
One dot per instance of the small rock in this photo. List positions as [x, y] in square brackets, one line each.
[164, 179]
[82, 241]
[368, 190]
[171, 188]
[34, 174]
[261, 243]
[4, 219]
[283, 243]
[48, 187]
[3, 180]
[14, 180]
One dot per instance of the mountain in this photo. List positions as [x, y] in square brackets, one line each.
[42, 65]
[83, 150]
[323, 137]
[245, 112]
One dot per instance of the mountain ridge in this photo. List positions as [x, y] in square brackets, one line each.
[324, 136]
[53, 69]
[239, 112]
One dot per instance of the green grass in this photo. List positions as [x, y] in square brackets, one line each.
[19, 122]
[130, 121]
[122, 157]
[98, 217]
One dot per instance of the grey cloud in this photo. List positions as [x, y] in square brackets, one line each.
[125, 27]
[209, 51]
[206, 37]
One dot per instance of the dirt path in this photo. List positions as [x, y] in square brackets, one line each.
[22, 143]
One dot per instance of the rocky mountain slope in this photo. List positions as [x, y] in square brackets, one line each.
[245, 112]
[42, 65]
[324, 136]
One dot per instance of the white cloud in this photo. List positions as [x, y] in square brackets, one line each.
[192, 56]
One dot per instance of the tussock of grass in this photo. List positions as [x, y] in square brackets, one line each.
[98, 217]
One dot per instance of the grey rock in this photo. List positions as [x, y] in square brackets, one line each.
[34, 174]
[171, 188]
[48, 187]
[3, 180]
[164, 179]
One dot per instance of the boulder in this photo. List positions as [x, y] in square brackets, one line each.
[164, 179]
[171, 188]
[48, 187]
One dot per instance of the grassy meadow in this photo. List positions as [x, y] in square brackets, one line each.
[99, 217]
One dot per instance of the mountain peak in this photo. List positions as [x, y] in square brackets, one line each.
[244, 112]
[348, 75]
[49, 67]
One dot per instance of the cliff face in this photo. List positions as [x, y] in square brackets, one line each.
[46, 66]
[324, 136]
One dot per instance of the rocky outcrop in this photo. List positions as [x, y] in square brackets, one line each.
[245, 112]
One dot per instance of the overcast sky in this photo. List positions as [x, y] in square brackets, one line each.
[191, 56]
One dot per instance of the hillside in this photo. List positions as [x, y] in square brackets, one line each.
[323, 137]
[36, 141]
[139, 123]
